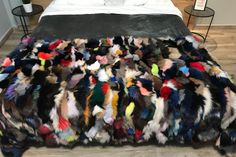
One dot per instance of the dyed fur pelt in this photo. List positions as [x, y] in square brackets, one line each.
[112, 91]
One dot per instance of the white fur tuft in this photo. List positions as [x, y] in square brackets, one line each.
[97, 110]
[102, 75]
[95, 66]
[129, 73]
[72, 109]
[190, 38]
[207, 101]
[154, 125]
[58, 98]
[114, 49]
[35, 68]
[108, 116]
[54, 117]
[230, 114]
[169, 84]
[22, 84]
[102, 137]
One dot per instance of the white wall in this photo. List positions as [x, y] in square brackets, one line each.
[5, 22]
[9, 5]
[225, 12]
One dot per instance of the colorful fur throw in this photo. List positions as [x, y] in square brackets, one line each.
[113, 91]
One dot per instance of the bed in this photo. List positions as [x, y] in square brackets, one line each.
[70, 21]
[130, 74]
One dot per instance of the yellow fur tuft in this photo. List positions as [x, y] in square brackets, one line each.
[114, 104]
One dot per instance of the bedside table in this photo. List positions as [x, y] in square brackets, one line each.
[20, 12]
[208, 12]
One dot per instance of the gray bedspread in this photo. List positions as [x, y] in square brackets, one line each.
[105, 25]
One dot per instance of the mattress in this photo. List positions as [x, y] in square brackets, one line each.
[153, 7]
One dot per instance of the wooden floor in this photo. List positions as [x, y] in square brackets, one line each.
[125, 151]
[221, 43]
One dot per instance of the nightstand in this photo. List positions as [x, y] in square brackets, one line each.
[207, 13]
[20, 12]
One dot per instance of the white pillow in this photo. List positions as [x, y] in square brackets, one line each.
[135, 2]
[64, 2]
[86, 2]
[114, 2]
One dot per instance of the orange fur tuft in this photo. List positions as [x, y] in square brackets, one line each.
[87, 109]
[107, 99]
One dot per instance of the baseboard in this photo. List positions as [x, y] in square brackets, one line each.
[4, 38]
[216, 25]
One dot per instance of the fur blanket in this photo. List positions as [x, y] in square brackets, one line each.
[113, 91]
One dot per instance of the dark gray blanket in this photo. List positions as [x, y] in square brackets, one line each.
[105, 25]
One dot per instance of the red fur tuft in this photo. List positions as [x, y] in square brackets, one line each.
[44, 55]
[138, 134]
[65, 63]
[94, 81]
[105, 88]
[165, 92]
[198, 66]
[63, 123]
[54, 44]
